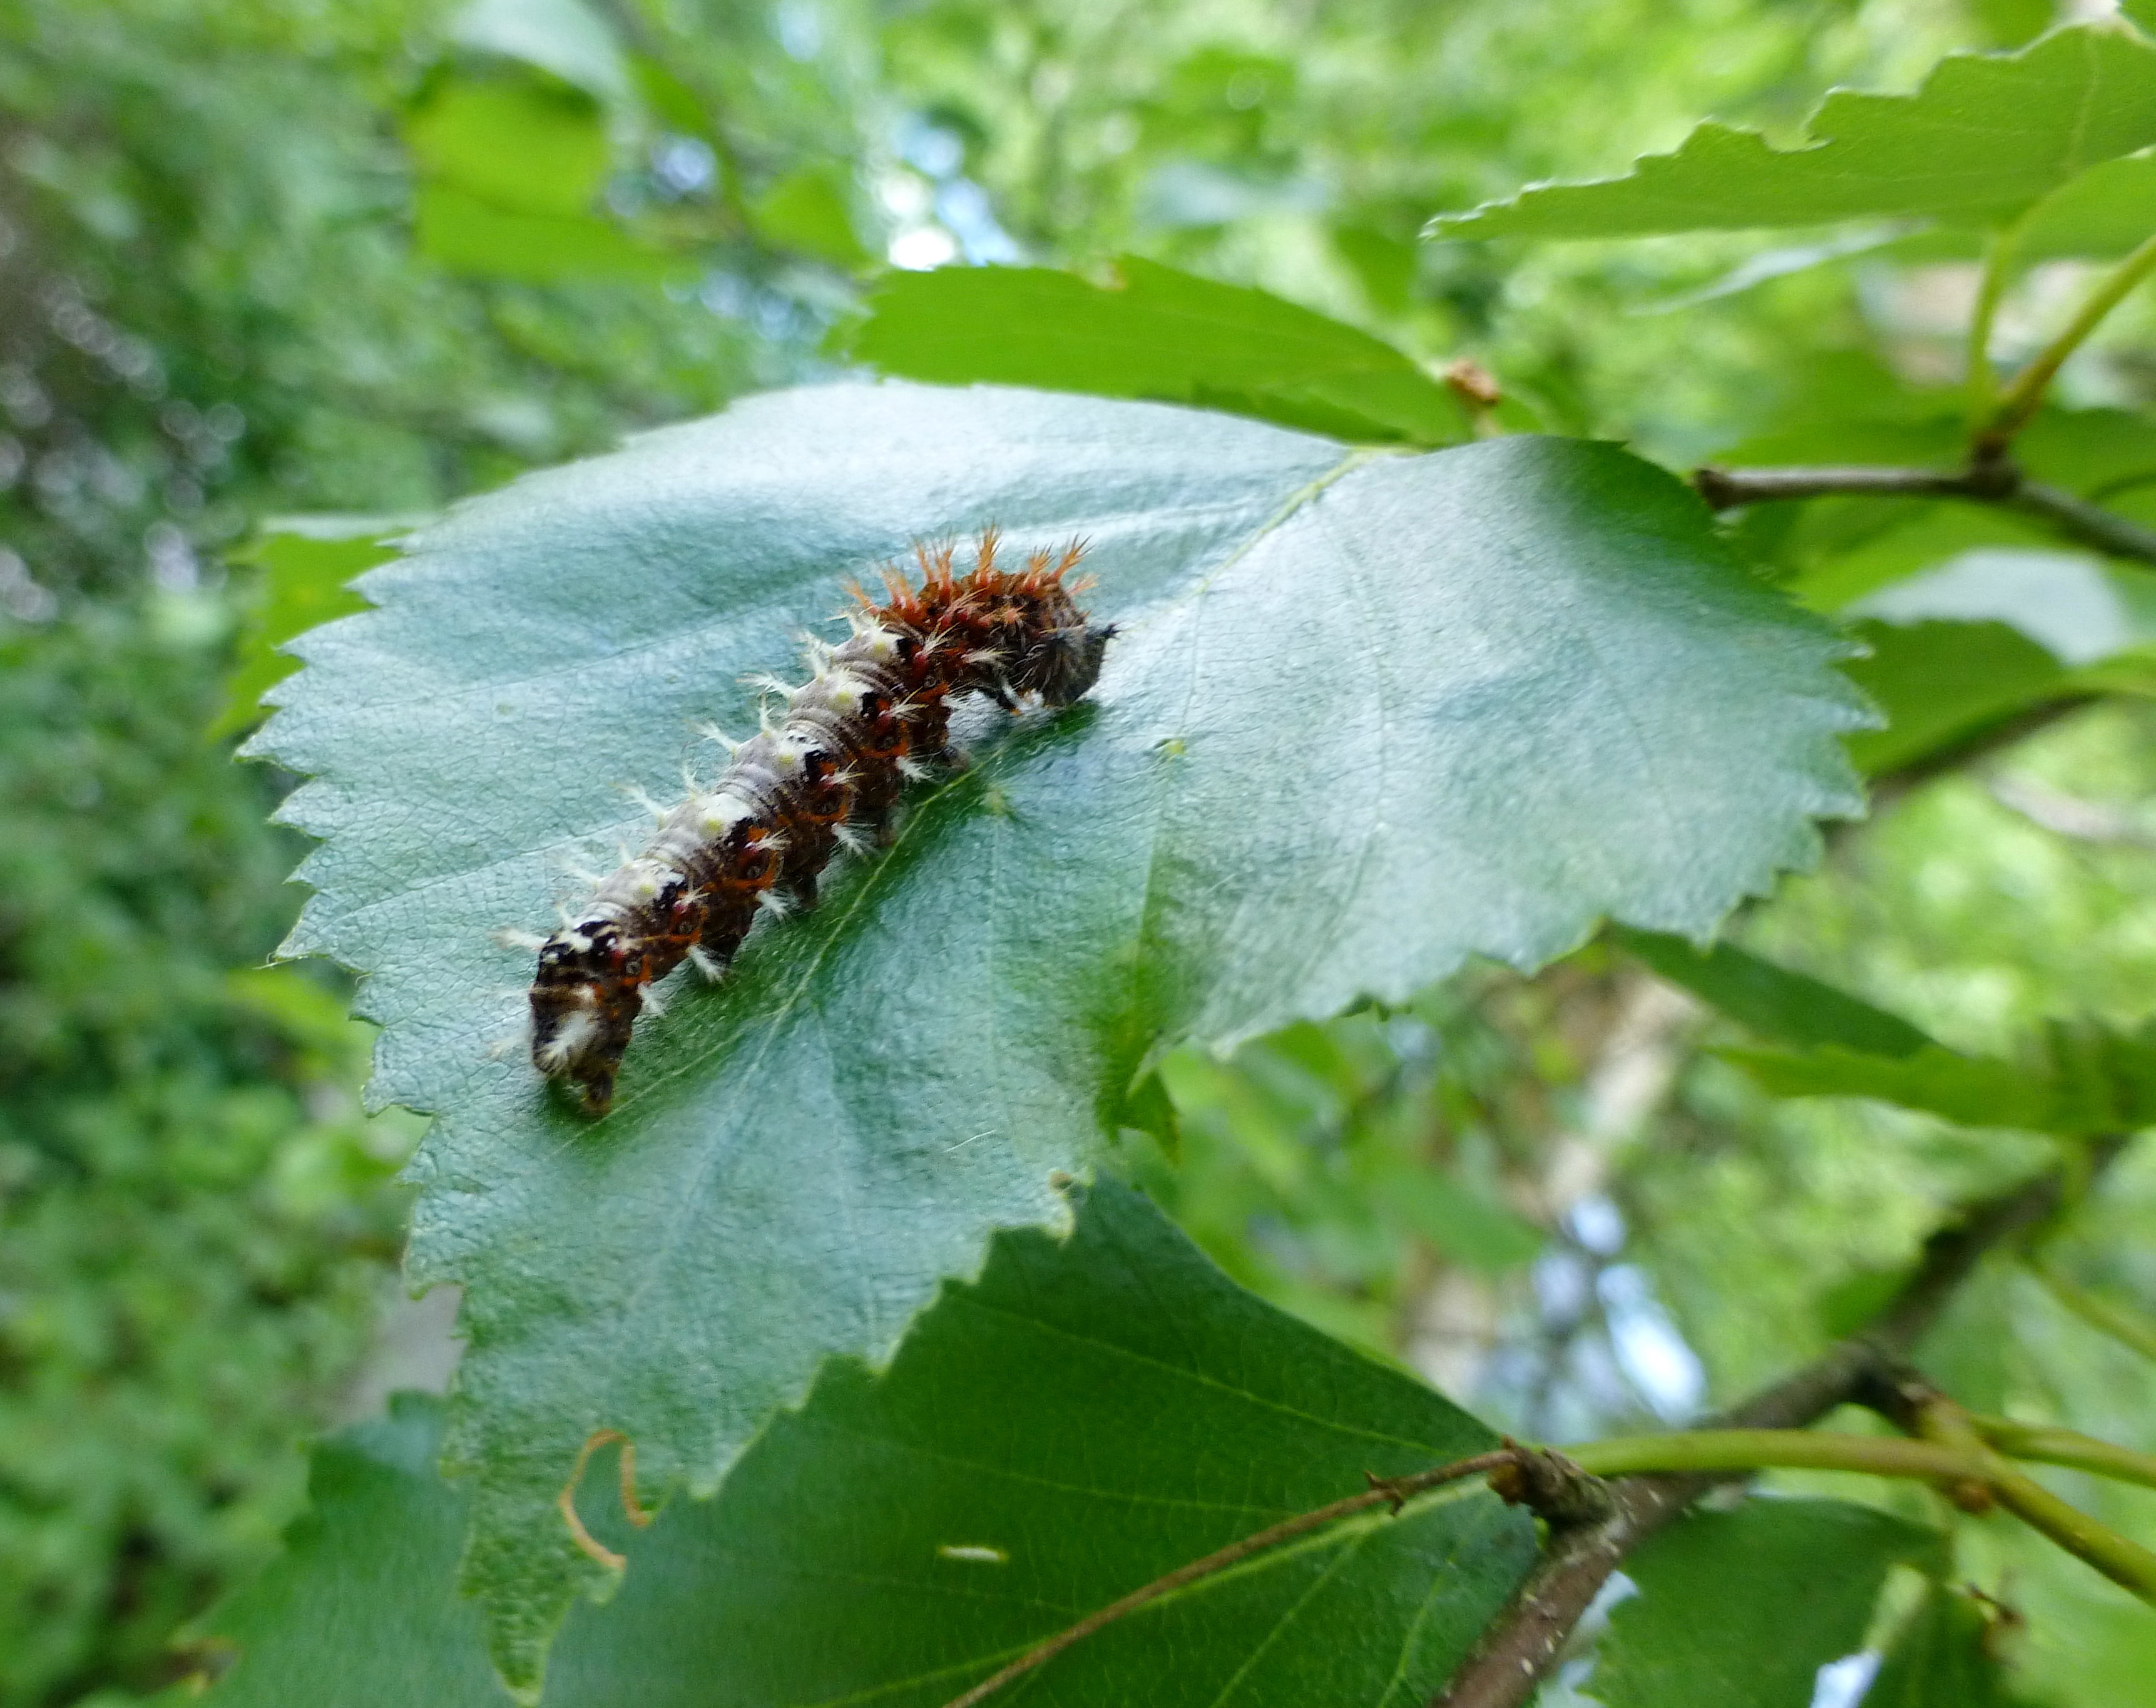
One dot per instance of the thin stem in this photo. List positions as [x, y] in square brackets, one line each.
[1524, 1641]
[1997, 260]
[1389, 1492]
[2048, 1445]
[2022, 399]
[1763, 1449]
[2124, 1561]
[2128, 1327]
[1937, 1419]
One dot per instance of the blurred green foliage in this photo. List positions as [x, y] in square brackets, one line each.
[366, 256]
[192, 1214]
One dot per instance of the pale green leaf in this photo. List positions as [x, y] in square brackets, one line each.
[1985, 136]
[1367, 713]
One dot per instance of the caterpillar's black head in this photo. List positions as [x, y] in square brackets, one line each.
[1062, 665]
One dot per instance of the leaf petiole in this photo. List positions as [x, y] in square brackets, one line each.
[2021, 399]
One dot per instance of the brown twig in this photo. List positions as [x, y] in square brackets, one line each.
[1994, 481]
[1540, 1474]
[1519, 1646]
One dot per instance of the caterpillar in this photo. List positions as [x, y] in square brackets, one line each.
[826, 774]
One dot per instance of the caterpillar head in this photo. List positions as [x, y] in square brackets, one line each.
[582, 1011]
[1064, 663]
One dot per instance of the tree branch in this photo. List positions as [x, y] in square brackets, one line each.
[1993, 480]
[1520, 1644]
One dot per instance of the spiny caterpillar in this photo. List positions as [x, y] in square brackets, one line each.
[826, 775]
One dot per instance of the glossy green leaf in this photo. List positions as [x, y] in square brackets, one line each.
[1367, 713]
[1157, 333]
[1985, 136]
[305, 564]
[1741, 1609]
[1774, 1002]
[1085, 1418]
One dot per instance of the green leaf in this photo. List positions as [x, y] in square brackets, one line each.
[1741, 1609]
[1464, 1224]
[1943, 1658]
[1943, 683]
[1985, 136]
[806, 210]
[1773, 1001]
[1368, 713]
[467, 235]
[1085, 1418]
[1971, 1091]
[2077, 1078]
[361, 1609]
[1155, 333]
[523, 146]
[306, 563]
[2099, 215]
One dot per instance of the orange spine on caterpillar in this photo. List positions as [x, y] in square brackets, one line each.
[824, 775]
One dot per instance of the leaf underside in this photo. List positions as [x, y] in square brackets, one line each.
[904, 1535]
[1368, 713]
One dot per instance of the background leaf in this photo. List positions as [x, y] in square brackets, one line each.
[2080, 1078]
[877, 1087]
[1943, 1658]
[521, 144]
[1771, 1000]
[1156, 333]
[306, 565]
[1086, 1418]
[1984, 138]
[806, 210]
[1942, 683]
[1741, 1609]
